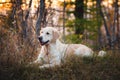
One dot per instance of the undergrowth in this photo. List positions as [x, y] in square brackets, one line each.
[16, 53]
[75, 68]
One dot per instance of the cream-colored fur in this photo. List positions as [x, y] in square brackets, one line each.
[53, 52]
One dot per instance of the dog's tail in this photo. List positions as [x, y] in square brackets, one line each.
[102, 53]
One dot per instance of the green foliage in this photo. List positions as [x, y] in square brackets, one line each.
[73, 39]
[90, 25]
[88, 28]
[75, 68]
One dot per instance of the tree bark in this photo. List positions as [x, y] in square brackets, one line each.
[105, 24]
[79, 11]
[40, 17]
[27, 15]
[118, 26]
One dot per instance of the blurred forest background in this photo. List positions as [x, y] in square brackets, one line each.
[95, 23]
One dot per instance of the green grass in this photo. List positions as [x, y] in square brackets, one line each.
[75, 68]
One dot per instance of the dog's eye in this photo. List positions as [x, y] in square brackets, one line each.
[47, 33]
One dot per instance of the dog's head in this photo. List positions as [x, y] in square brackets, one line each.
[48, 35]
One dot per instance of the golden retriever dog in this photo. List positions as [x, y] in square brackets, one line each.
[53, 52]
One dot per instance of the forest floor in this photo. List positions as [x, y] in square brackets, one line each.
[76, 68]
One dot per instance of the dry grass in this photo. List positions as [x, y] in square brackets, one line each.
[76, 68]
[15, 55]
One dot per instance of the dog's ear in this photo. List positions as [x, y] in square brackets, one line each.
[56, 35]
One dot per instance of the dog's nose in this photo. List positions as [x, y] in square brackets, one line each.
[40, 38]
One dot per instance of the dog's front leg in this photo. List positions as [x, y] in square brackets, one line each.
[53, 63]
[47, 65]
[38, 60]
[40, 57]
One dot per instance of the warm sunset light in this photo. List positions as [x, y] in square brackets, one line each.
[55, 3]
[59, 39]
[107, 3]
[5, 5]
[3, 0]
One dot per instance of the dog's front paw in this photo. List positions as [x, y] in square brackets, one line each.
[31, 63]
[36, 61]
[45, 66]
[41, 67]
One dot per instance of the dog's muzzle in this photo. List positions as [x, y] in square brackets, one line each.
[41, 41]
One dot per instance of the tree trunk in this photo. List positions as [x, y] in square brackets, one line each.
[79, 11]
[104, 21]
[40, 18]
[27, 15]
[118, 26]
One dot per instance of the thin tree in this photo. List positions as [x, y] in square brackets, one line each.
[118, 27]
[64, 5]
[40, 17]
[104, 21]
[79, 11]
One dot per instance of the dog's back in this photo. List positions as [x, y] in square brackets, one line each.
[78, 49]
